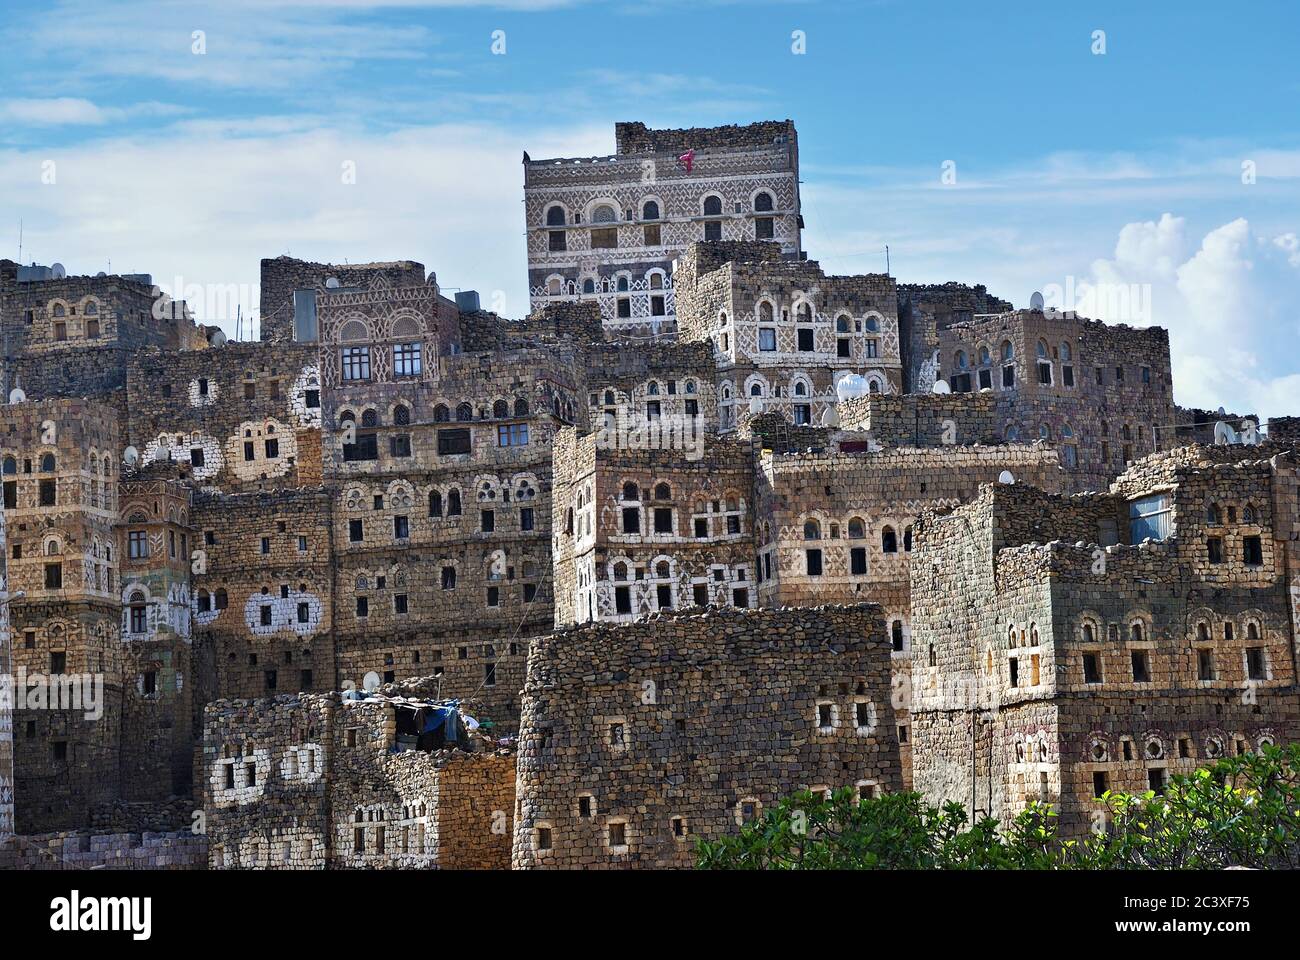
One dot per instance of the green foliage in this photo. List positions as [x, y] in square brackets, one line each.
[1242, 811]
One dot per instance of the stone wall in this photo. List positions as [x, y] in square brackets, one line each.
[639, 739]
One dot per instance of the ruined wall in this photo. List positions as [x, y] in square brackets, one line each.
[639, 739]
[98, 851]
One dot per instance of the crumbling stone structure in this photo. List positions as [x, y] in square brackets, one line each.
[1063, 646]
[330, 781]
[608, 229]
[639, 739]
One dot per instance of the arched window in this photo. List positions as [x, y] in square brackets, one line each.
[138, 618]
[1202, 631]
[653, 389]
[756, 390]
[959, 361]
[841, 324]
[857, 529]
[353, 330]
[435, 503]
[521, 407]
[1211, 513]
[589, 285]
[888, 540]
[663, 492]
[800, 388]
[1041, 350]
[453, 502]
[500, 409]
[985, 358]
[441, 414]
[907, 540]
[464, 412]
[47, 463]
[631, 491]
[10, 466]
[873, 325]
[1136, 631]
[555, 216]
[765, 312]
[1008, 351]
[369, 419]
[713, 206]
[763, 202]
[604, 213]
[92, 309]
[1089, 633]
[650, 210]
[204, 601]
[1247, 515]
[401, 415]
[811, 530]
[622, 285]
[1065, 351]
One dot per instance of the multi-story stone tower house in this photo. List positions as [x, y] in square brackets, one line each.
[609, 228]
[6, 703]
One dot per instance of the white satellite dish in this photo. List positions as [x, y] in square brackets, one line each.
[941, 386]
[1007, 477]
[332, 283]
[755, 407]
[219, 338]
[830, 417]
[1224, 434]
[16, 395]
[1036, 301]
[370, 681]
[58, 271]
[131, 455]
[101, 274]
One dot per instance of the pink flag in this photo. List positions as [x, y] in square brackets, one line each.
[686, 160]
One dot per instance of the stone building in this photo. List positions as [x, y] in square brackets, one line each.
[240, 417]
[73, 336]
[1103, 393]
[638, 739]
[784, 333]
[1063, 646]
[607, 229]
[673, 382]
[649, 528]
[367, 781]
[924, 309]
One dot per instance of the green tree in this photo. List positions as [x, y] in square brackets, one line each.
[1242, 811]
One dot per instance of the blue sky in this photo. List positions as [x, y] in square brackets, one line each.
[1074, 170]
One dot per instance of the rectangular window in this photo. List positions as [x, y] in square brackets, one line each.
[556, 241]
[265, 545]
[1149, 518]
[399, 603]
[11, 494]
[512, 435]
[802, 414]
[487, 520]
[304, 612]
[48, 493]
[363, 606]
[493, 596]
[604, 239]
[399, 445]
[631, 520]
[713, 230]
[137, 544]
[356, 363]
[663, 520]
[1214, 546]
[873, 349]
[1067, 376]
[986, 379]
[449, 578]
[312, 400]
[1014, 666]
[272, 448]
[858, 561]
[1252, 551]
[622, 600]
[624, 308]
[1099, 784]
[1091, 668]
[356, 531]
[401, 528]
[652, 409]
[265, 614]
[664, 596]
[1205, 664]
[453, 442]
[658, 306]
[651, 234]
[1256, 668]
[526, 518]
[805, 341]
[764, 228]
[814, 562]
[700, 594]
[54, 576]
[733, 523]
[767, 339]
[1141, 666]
[407, 361]
[249, 451]
[1008, 376]
[843, 348]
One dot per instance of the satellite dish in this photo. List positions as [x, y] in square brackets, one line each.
[941, 386]
[370, 681]
[1007, 477]
[101, 274]
[1224, 434]
[219, 338]
[131, 455]
[1036, 301]
[755, 407]
[332, 283]
[58, 271]
[830, 417]
[16, 395]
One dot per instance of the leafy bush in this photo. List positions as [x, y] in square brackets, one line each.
[1242, 811]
